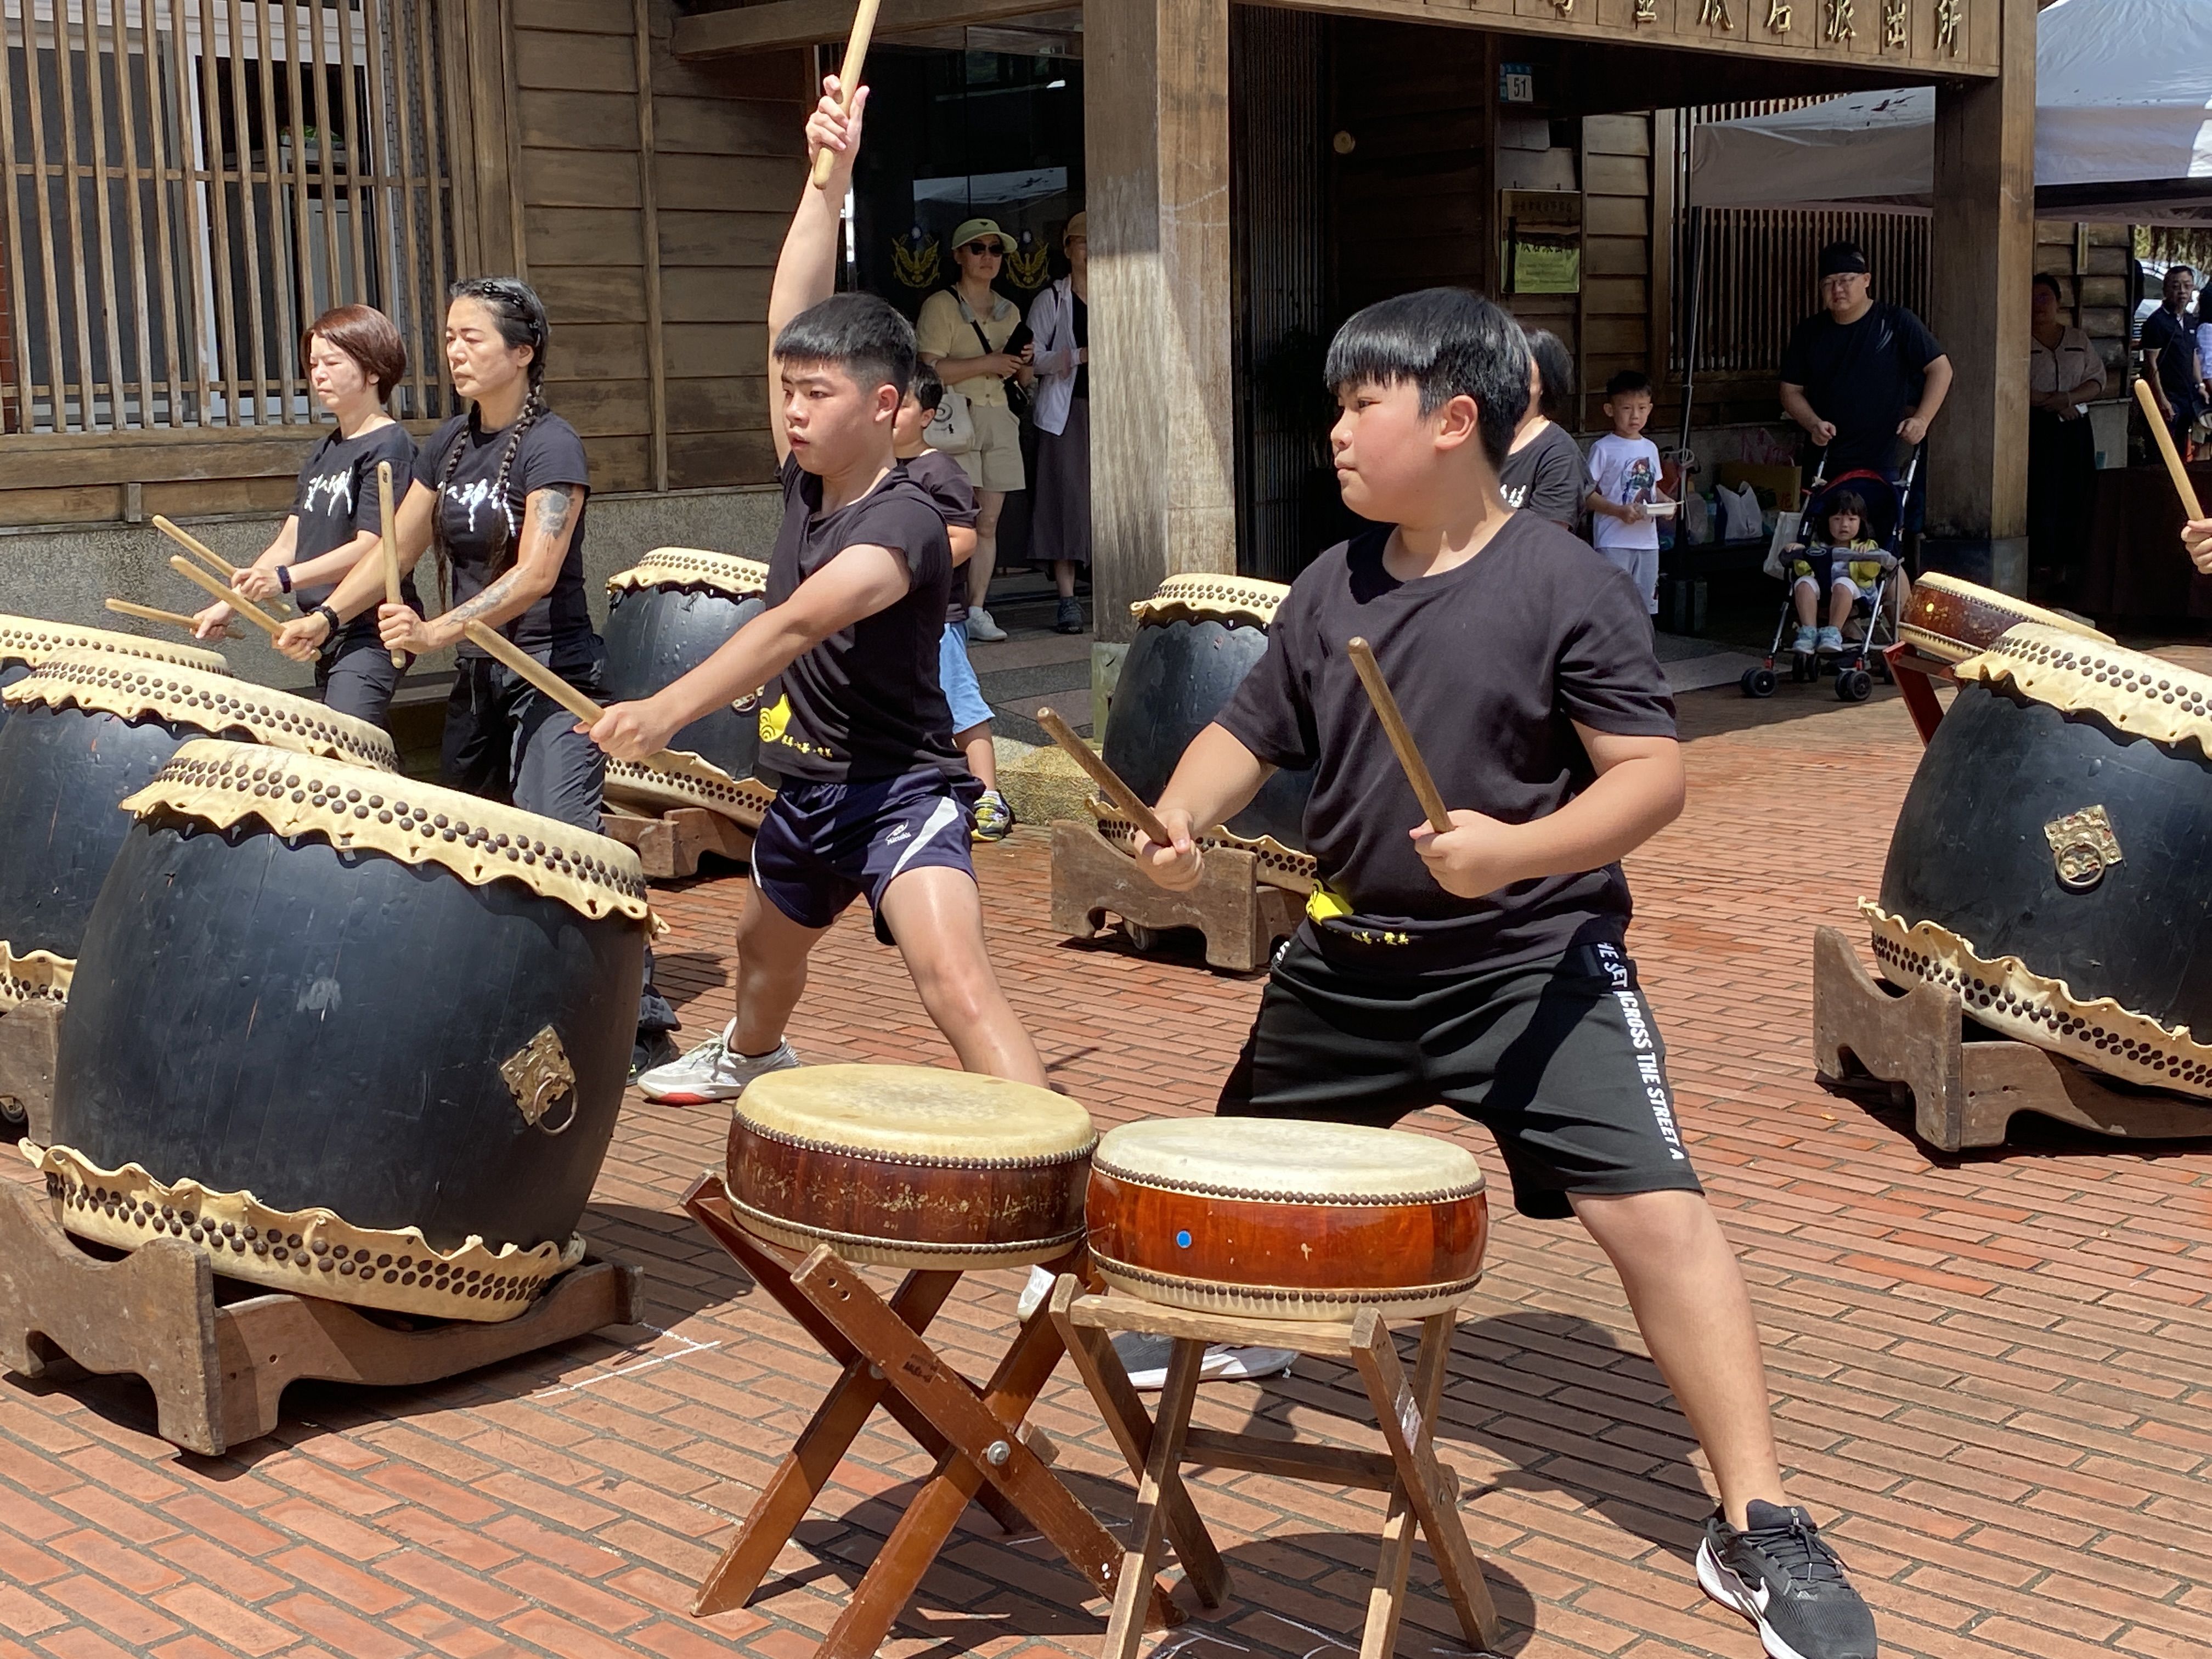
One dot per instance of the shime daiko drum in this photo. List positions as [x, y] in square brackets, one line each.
[84, 730]
[1954, 620]
[906, 1166]
[361, 1037]
[1276, 1219]
[2053, 860]
[669, 613]
[26, 642]
[1197, 638]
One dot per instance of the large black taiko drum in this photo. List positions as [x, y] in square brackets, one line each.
[2053, 860]
[86, 730]
[668, 614]
[359, 1037]
[1197, 637]
[27, 642]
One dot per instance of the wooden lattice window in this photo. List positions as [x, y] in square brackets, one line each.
[190, 181]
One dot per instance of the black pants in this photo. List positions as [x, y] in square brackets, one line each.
[356, 676]
[2062, 489]
[507, 741]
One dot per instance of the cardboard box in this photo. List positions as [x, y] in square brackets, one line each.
[1787, 483]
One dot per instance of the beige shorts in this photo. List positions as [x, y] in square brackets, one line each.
[994, 461]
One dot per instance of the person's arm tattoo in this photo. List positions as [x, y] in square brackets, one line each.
[553, 503]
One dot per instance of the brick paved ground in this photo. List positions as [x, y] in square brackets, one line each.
[1991, 1371]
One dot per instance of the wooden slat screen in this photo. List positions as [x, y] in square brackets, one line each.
[191, 182]
[1759, 276]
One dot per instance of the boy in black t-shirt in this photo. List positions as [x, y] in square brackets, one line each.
[873, 798]
[1487, 968]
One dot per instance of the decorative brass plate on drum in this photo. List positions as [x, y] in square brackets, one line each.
[2083, 846]
[538, 1074]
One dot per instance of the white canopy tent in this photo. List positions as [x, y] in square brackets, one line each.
[2123, 116]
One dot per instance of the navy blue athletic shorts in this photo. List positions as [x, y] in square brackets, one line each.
[823, 845]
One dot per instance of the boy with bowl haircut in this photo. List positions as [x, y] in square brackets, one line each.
[873, 799]
[1487, 968]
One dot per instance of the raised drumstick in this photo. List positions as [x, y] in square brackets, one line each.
[245, 607]
[199, 549]
[496, 644]
[2164, 439]
[174, 618]
[389, 538]
[1393, 727]
[1108, 780]
[848, 77]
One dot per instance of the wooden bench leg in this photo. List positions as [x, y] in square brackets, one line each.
[1092, 1351]
[983, 1430]
[1406, 1411]
[1140, 1561]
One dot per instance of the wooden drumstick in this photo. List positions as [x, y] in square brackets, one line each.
[2164, 439]
[174, 618]
[245, 607]
[1393, 727]
[848, 77]
[199, 549]
[495, 644]
[1108, 780]
[389, 539]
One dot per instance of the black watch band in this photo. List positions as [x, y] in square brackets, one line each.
[331, 617]
[284, 577]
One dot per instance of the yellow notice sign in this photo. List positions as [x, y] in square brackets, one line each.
[1547, 268]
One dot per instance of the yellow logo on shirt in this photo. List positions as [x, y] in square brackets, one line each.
[1324, 905]
[775, 720]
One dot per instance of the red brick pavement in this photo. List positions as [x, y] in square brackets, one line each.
[1990, 1372]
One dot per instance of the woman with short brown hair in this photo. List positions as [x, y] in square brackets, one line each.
[354, 357]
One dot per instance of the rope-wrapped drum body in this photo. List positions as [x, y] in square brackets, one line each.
[320, 1000]
[2053, 859]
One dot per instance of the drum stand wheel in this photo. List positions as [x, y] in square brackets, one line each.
[1241, 916]
[28, 1035]
[219, 1368]
[1422, 1492]
[671, 846]
[982, 1448]
[1965, 1092]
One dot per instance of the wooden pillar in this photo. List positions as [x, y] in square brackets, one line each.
[1983, 267]
[1155, 147]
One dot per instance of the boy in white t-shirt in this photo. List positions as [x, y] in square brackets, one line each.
[1625, 482]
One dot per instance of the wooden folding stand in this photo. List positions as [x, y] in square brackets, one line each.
[30, 1034]
[219, 1368]
[1421, 1491]
[1241, 916]
[1915, 673]
[976, 1435]
[670, 844]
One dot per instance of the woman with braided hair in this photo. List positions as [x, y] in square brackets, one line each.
[500, 492]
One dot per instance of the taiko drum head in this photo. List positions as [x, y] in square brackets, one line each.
[1286, 1219]
[910, 1166]
[1954, 619]
[26, 641]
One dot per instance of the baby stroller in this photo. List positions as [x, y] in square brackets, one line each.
[1860, 663]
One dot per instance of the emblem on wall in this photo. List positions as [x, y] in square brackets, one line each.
[1027, 264]
[916, 261]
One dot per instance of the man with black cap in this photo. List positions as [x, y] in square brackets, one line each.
[1864, 377]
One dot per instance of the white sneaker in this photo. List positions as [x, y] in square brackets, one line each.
[980, 627]
[1144, 1357]
[712, 1072]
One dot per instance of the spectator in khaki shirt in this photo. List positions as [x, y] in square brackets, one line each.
[945, 336]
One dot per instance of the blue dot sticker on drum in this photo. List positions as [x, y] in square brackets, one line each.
[1183, 1241]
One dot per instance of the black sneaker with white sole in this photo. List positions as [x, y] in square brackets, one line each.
[1778, 1573]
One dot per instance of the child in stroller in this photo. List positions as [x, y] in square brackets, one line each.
[1839, 558]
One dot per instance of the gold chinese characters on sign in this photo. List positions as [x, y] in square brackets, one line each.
[1950, 15]
[1838, 24]
[1779, 15]
[1715, 11]
[1647, 11]
[1896, 23]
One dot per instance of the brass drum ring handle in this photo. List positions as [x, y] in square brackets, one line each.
[549, 1090]
[2081, 866]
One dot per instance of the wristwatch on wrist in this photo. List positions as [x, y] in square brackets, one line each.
[284, 577]
[331, 619]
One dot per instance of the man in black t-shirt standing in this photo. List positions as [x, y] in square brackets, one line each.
[1865, 377]
[1487, 968]
[873, 798]
[2170, 356]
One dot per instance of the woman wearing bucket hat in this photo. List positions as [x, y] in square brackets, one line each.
[1060, 323]
[962, 333]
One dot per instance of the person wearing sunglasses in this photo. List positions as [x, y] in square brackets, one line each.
[964, 332]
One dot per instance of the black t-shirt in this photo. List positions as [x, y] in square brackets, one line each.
[945, 482]
[1490, 662]
[482, 535]
[866, 702]
[1547, 479]
[2175, 339]
[337, 500]
[1863, 377]
[1083, 343]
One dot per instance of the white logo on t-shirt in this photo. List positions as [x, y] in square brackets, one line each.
[337, 486]
[475, 495]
